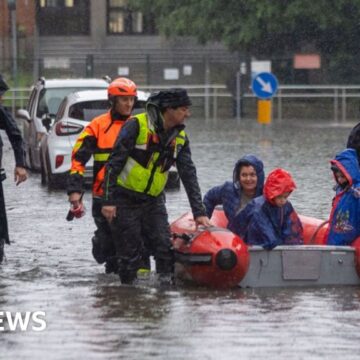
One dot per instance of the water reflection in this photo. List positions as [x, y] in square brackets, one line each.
[49, 267]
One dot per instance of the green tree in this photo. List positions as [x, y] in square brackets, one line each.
[266, 28]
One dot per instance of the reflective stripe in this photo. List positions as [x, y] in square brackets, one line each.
[130, 163]
[80, 140]
[147, 179]
[72, 172]
[83, 135]
[101, 157]
[141, 146]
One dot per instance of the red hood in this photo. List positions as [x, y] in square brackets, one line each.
[278, 182]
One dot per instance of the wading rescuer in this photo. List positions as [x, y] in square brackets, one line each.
[8, 124]
[98, 139]
[136, 174]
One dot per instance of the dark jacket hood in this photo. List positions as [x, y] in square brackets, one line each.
[3, 86]
[155, 116]
[259, 168]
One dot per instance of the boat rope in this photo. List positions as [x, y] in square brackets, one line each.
[313, 237]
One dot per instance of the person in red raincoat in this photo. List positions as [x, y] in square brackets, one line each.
[270, 220]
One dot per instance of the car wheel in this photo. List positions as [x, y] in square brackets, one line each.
[28, 158]
[50, 178]
[43, 172]
[32, 164]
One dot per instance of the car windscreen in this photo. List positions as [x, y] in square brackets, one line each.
[50, 99]
[87, 110]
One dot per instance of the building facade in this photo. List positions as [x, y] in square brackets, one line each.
[105, 37]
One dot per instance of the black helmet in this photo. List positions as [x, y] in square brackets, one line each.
[170, 98]
[3, 86]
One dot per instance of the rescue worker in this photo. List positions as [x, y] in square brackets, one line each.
[98, 139]
[8, 124]
[136, 174]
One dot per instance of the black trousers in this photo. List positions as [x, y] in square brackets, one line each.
[141, 226]
[103, 245]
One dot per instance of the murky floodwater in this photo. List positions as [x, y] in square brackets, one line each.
[89, 314]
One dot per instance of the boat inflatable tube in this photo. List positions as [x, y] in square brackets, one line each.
[213, 257]
[314, 229]
[356, 245]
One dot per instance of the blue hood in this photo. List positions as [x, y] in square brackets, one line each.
[347, 162]
[259, 168]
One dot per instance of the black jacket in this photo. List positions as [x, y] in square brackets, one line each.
[123, 147]
[353, 141]
[8, 124]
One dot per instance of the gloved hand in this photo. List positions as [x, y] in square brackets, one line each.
[77, 212]
[77, 208]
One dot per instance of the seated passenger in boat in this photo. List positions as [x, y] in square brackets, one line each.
[247, 183]
[344, 222]
[270, 220]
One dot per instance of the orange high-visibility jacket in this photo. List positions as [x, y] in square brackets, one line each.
[97, 139]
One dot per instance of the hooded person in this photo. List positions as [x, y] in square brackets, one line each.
[247, 183]
[8, 124]
[270, 220]
[344, 220]
[353, 141]
[136, 174]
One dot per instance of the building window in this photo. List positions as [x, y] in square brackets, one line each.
[52, 3]
[122, 20]
[63, 17]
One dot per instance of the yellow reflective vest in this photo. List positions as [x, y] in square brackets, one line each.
[146, 169]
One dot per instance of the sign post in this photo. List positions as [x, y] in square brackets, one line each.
[264, 86]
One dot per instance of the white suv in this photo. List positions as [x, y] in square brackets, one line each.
[44, 101]
[75, 112]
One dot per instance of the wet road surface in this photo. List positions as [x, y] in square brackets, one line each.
[88, 314]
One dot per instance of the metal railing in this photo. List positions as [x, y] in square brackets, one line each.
[16, 98]
[207, 92]
[211, 94]
[339, 93]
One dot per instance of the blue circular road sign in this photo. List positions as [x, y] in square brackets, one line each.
[264, 85]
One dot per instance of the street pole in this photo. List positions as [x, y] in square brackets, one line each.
[12, 9]
[14, 46]
[238, 96]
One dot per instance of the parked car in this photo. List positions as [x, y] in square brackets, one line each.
[75, 111]
[44, 101]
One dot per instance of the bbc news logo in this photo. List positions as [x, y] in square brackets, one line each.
[24, 321]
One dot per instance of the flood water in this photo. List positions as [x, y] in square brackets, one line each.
[89, 315]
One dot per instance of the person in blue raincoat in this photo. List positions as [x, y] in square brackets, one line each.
[344, 221]
[270, 220]
[248, 183]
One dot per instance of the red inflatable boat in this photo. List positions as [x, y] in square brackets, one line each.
[218, 258]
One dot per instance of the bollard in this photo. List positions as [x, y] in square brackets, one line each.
[264, 111]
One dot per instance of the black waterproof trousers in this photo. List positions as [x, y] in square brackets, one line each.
[103, 244]
[4, 234]
[141, 226]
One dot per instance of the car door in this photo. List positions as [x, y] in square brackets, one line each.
[28, 127]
